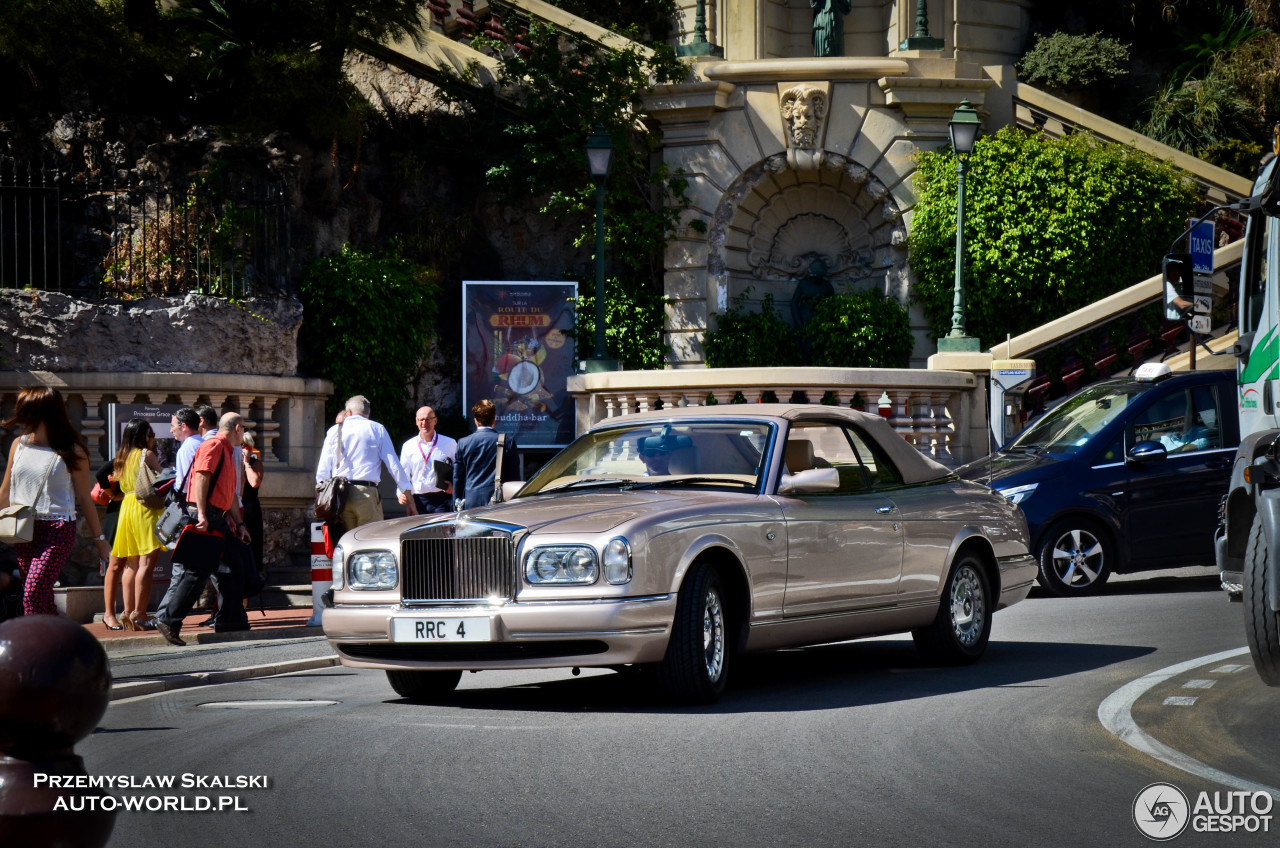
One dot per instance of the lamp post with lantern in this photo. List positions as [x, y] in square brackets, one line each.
[599, 150]
[963, 129]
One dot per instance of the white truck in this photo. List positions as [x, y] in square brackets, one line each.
[1247, 541]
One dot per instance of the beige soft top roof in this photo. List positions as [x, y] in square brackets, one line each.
[914, 465]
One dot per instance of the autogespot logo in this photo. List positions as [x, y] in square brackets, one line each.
[1161, 812]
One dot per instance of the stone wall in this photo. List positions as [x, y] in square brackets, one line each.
[52, 331]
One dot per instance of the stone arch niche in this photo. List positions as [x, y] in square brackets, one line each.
[776, 219]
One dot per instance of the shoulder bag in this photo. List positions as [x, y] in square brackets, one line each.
[331, 495]
[146, 486]
[496, 497]
[175, 517]
[18, 521]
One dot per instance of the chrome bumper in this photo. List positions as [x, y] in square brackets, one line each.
[554, 634]
[1017, 574]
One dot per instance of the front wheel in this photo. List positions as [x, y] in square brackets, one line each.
[962, 627]
[1076, 558]
[423, 685]
[1261, 623]
[696, 665]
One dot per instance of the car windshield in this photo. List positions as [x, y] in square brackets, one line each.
[685, 453]
[1069, 427]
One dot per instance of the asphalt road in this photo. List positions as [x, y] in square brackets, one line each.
[848, 744]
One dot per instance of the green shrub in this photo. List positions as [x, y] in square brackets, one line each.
[1195, 115]
[633, 318]
[1050, 225]
[1067, 61]
[859, 330]
[745, 338]
[369, 318]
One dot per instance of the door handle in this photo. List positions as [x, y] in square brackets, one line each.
[884, 510]
[1268, 400]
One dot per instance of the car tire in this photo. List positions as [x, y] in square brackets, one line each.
[1076, 558]
[1261, 623]
[423, 685]
[962, 627]
[696, 665]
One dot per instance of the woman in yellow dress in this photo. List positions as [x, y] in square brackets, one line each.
[133, 556]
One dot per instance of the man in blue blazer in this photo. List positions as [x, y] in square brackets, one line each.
[478, 457]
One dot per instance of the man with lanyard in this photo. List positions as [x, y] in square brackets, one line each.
[419, 456]
[357, 449]
[212, 495]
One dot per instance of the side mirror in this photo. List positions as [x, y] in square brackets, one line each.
[1178, 286]
[812, 480]
[511, 489]
[1147, 451]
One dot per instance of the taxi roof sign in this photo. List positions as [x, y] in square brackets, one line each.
[1150, 372]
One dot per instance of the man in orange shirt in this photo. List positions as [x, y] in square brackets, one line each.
[213, 503]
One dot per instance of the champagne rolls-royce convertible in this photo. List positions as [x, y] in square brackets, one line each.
[676, 541]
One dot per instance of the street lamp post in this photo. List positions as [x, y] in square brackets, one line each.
[599, 159]
[963, 128]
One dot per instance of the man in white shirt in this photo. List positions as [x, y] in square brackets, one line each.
[357, 449]
[419, 456]
[185, 427]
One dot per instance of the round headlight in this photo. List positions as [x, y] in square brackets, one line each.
[545, 565]
[580, 566]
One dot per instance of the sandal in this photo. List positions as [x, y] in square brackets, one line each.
[128, 622]
[110, 626]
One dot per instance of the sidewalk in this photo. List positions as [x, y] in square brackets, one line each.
[287, 623]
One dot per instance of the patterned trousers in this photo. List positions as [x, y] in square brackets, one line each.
[41, 560]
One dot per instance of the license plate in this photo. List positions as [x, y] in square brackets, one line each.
[441, 629]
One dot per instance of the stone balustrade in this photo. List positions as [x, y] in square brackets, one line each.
[285, 414]
[941, 412]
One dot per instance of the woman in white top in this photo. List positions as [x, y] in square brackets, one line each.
[48, 469]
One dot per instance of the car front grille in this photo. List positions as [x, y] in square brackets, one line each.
[457, 569]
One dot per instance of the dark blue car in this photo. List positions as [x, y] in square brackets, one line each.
[1125, 475]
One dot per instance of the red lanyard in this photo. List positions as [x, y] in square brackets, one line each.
[426, 457]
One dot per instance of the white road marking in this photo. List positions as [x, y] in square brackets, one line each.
[1115, 714]
[1180, 701]
[1199, 684]
[1229, 668]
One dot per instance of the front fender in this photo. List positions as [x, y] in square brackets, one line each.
[1269, 515]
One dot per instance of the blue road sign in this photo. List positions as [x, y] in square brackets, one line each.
[1202, 248]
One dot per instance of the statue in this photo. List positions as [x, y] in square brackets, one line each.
[828, 26]
[809, 290]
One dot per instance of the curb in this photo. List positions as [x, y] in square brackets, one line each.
[134, 688]
[126, 643]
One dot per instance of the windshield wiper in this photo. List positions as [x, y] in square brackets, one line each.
[688, 481]
[587, 482]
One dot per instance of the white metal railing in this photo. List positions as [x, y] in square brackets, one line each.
[940, 412]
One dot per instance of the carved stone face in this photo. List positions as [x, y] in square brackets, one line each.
[803, 109]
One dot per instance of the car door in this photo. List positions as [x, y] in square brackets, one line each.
[844, 546]
[1171, 505]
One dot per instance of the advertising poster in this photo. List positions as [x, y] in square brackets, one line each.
[516, 352]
